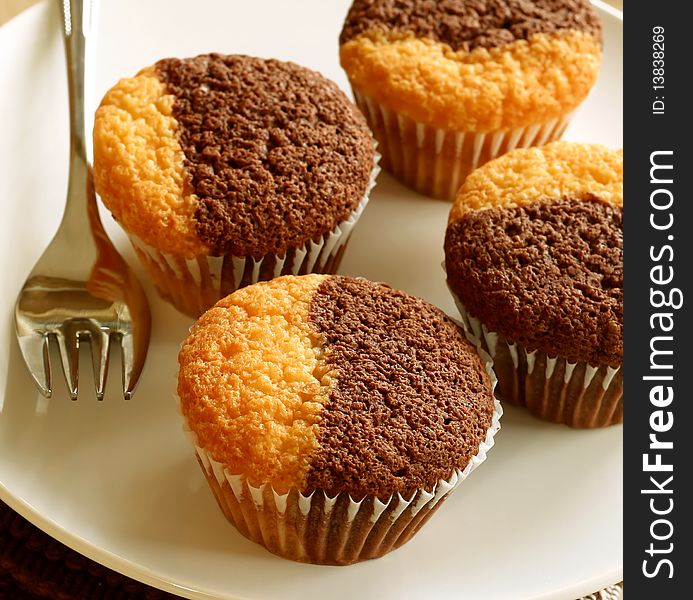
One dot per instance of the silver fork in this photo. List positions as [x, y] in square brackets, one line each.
[81, 289]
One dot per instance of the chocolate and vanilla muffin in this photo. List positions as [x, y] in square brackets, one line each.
[449, 85]
[534, 258]
[332, 415]
[226, 170]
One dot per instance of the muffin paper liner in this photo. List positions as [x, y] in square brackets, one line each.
[339, 530]
[193, 285]
[551, 388]
[436, 161]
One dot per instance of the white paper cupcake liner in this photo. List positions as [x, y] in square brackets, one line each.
[338, 530]
[193, 285]
[551, 388]
[436, 161]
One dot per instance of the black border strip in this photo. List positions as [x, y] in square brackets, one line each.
[658, 263]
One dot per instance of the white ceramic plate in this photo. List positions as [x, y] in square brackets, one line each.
[117, 481]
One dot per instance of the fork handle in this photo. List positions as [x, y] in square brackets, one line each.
[78, 21]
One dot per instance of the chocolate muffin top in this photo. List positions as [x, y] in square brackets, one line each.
[469, 24]
[334, 383]
[250, 156]
[544, 268]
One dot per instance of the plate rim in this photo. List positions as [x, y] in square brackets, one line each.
[139, 572]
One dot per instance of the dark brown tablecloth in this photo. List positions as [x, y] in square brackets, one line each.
[33, 565]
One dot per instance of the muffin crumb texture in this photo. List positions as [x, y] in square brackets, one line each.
[547, 275]
[335, 384]
[465, 25]
[138, 164]
[560, 169]
[473, 66]
[275, 152]
[501, 88]
[252, 382]
[230, 155]
[534, 250]
[411, 400]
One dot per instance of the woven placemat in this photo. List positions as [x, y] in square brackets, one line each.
[33, 565]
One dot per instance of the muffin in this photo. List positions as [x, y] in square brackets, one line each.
[447, 86]
[331, 415]
[534, 259]
[226, 170]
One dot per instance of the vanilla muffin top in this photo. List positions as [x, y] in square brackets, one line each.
[230, 155]
[473, 65]
[534, 249]
[551, 171]
[334, 383]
